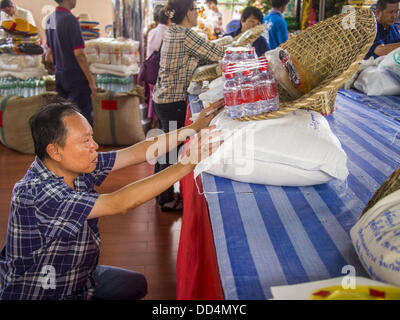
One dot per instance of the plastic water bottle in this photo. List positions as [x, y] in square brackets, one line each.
[249, 93]
[240, 56]
[42, 86]
[267, 91]
[251, 53]
[228, 60]
[232, 96]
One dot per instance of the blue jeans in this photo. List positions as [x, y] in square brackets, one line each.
[114, 283]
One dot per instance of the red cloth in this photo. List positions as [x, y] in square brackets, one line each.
[197, 268]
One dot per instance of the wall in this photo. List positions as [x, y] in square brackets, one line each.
[98, 10]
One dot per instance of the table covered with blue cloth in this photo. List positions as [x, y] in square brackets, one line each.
[268, 236]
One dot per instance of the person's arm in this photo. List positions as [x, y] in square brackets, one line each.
[82, 61]
[384, 49]
[153, 148]
[139, 192]
[48, 56]
[203, 49]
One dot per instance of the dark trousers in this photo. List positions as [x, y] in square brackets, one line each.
[73, 86]
[171, 116]
[114, 283]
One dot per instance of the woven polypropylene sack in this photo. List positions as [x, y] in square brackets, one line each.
[15, 111]
[117, 118]
[332, 50]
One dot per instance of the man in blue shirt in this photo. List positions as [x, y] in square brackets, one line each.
[252, 17]
[276, 24]
[53, 241]
[387, 36]
[74, 80]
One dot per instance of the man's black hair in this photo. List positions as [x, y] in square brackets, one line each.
[47, 126]
[215, 1]
[58, 1]
[252, 11]
[6, 3]
[381, 4]
[278, 3]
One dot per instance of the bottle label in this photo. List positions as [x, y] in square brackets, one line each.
[267, 92]
[249, 95]
[232, 98]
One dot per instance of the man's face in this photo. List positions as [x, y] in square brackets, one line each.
[389, 15]
[79, 152]
[9, 10]
[250, 22]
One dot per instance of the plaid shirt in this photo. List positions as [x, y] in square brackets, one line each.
[48, 231]
[181, 53]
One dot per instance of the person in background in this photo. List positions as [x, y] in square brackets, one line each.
[65, 49]
[215, 16]
[9, 9]
[387, 36]
[53, 240]
[276, 24]
[181, 53]
[155, 38]
[252, 17]
[156, 13]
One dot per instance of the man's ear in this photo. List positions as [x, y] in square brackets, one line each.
[53, 151]
[378, 13]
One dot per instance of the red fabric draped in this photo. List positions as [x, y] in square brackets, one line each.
[197, 268]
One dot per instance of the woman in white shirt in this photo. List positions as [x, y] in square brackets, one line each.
[154, 41]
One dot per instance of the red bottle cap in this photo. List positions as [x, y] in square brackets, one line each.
[229, 75]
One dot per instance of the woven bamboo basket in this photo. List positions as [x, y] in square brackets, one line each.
[391, 184]
[330, 51]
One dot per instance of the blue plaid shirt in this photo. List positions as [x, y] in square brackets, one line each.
[51, 249]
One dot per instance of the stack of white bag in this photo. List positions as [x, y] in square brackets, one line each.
[376, 238]
[298, 149]
[21, 66]
[119, 57]
[380, 77]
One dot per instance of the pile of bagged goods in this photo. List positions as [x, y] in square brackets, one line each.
[378, 77]
[274, 126]
[297, 149]
[22, 85]
[115, 61]
[21, 70]
[116, 108]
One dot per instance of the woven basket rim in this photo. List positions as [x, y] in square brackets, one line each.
[326, 85]
[391, 184]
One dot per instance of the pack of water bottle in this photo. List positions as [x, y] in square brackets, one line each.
[249, 85]
[23, 88]
[115, 83]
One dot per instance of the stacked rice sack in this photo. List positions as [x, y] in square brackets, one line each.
[119, 57]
